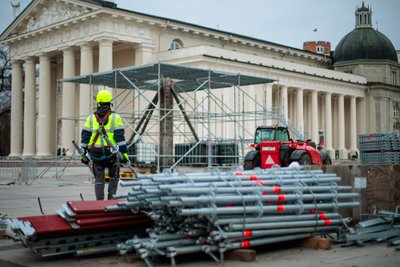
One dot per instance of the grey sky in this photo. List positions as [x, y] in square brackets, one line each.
[286, 22]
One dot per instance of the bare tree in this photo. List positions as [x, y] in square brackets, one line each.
[5, 68]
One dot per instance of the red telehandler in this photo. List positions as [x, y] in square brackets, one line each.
[273, 146]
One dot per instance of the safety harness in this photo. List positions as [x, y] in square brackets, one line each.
[100, 133]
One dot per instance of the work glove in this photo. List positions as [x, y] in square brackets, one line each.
[125, 158]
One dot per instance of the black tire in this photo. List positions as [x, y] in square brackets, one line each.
[248, 165]
[305, 159]
[251, 164]
[328, 160]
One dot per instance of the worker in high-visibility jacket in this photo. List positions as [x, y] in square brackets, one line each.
[104, 122]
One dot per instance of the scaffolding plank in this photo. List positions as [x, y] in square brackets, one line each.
[107, 220]
[91, 206]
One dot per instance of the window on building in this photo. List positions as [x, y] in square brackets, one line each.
[396, 111]
[320, 49]
[393, 78]
[176, 44]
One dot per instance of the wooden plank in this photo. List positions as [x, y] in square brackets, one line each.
[316, 243]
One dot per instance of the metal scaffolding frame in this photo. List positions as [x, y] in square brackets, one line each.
[199, 107]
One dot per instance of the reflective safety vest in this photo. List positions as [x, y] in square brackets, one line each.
[92, 125]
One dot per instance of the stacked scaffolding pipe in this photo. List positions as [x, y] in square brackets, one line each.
[216, 211]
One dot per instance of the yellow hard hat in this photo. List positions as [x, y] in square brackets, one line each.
[103, 96]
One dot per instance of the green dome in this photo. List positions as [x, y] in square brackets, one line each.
[364, 44]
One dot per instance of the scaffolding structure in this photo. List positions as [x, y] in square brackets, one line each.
[186, 115]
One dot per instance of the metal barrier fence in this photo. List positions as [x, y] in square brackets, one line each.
[18, 171]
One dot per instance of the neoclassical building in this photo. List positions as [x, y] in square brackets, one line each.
[53, 40]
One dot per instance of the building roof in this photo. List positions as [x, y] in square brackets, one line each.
[365, 44]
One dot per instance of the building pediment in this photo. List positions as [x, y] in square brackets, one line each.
[44, 13]
[52, 13]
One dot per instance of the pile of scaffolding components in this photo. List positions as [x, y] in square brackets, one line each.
[385, 226]
[214, 212]
[80, 228]
[379, 148]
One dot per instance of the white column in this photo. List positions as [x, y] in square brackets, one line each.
[299, 111]
[30, 109]
[353, 126]
[328, 122]
[372, 115]
[362, 116]
[291, 112]
[68, 102]
[268, 105]
[53, 98]
[44, 147]
[105, 54]
[307, 110]
[321, 113]
[341, 128]
[106, 57]
[284, 101]
[143, 54]
[314, 116]
[335, 124]
[84, 93]
[16, 110]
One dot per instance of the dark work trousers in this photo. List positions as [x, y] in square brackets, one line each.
[113, 172]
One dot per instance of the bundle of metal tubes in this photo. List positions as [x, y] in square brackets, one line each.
[218, 211]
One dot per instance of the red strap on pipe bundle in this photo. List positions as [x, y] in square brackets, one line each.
[247, 233]
[322, 216]
[280, 208]
[253, 177]
[245, 243]
[277, 189]
[281, 197]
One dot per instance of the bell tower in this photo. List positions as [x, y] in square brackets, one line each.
[363, 16]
